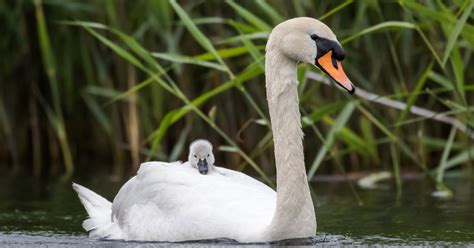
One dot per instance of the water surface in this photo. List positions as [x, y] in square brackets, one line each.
[47, 212]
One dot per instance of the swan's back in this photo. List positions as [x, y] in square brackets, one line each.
[172, 202]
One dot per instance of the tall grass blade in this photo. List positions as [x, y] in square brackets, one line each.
[442, 190]
[227, 53]
[251, 48]
[330, 138]
[336, 9]
[98, 113]
[177, 58]
[353, 140]
[270, 11]
[462, 157]
[51, 71]
[458, 69]
[444, 158]
[379, 27]
[414, 93]
[197, 34]
[454, 35]
[395, 24]
[249, 16]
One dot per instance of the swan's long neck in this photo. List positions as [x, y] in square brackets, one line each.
[294, 215]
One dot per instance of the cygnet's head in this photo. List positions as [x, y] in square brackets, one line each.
[201, 156]
[308, 40]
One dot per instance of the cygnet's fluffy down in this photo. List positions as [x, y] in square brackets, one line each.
[201, 156]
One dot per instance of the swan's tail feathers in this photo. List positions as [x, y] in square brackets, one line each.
[99, 224]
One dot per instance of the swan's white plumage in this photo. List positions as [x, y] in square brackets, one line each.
[171, 202]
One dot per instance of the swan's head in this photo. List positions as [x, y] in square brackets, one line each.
[308, 40]
[201, 156]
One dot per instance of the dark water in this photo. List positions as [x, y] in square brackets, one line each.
[48, 213]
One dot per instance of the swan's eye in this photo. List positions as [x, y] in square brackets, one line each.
[195, 156]
[314, 37]
[207, 155]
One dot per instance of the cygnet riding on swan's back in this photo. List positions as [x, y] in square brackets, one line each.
[201, 157]
[174, 203]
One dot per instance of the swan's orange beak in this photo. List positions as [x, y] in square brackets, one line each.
[333, 68]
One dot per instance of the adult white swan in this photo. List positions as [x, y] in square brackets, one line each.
[168, 202]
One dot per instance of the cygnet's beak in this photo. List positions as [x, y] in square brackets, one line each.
[333, 68]
[202, 166]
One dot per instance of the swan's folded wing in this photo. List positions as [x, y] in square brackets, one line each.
[124, 197]
[129, 194]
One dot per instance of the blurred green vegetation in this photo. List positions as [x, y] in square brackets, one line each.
[89, 85]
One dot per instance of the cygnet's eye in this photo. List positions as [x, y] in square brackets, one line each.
[314, 37]
[207, 155]
[195, 156]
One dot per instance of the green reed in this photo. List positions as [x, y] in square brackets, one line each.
[109, 84]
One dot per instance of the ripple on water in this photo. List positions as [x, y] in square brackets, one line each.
[19, 239]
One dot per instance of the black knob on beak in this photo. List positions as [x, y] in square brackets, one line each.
[202, 166]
